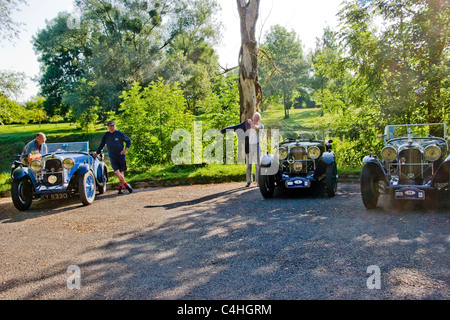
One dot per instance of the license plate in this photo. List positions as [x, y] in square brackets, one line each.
[298, 183]
[410, 194]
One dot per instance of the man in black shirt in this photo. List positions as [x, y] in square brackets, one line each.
[115, 140]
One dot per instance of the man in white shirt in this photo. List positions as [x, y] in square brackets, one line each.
[254, 155]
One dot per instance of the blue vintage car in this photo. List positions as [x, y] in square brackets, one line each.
[414, 164]
[301, 162]
[67, 169]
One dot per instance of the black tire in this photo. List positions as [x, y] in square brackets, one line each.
[266, 184]
[102, 188]
[22, 193]
[86, 188]
[369, 187]
[331, 179]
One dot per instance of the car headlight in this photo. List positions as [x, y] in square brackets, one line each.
[282, 154]
[432, 153]
[52, 179]
[36, 165]
[298, 166]
[389, 154]
[314, 153]
[68, 163]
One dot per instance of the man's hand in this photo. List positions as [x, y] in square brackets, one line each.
[32, 157]
[124, 151]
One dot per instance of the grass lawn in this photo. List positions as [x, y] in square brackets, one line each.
[20, 130]
[298, 118]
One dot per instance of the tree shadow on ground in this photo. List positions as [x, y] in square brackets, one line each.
[236, 245]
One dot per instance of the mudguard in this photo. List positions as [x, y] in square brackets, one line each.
[443, 173]
[266, 160]
[82, 169]
[377, 167]
[328, 157]
[22, 172]
[102, 171]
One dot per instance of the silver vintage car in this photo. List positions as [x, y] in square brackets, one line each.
[414, 164]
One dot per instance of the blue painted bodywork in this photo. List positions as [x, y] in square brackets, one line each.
[83, 163]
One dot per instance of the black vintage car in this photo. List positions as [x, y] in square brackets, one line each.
[303, 162]
[414, 163]
[67, 169]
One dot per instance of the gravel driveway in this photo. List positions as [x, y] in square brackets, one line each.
[223, 242]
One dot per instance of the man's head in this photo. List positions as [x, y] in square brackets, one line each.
[256, 117]
[111, 126]
[40, 138]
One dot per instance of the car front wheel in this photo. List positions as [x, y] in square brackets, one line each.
[266, 183]
[21, 193]
[369, 187]
[86, 188]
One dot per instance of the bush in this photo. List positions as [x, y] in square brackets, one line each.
[149, 116]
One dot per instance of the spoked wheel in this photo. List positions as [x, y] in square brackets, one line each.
[21, 193]
[86, 188]
[266, 183]
[369, 187]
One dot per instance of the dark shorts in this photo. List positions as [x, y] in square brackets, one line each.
[119, 163]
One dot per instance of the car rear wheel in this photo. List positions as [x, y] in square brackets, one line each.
[266, 183]
[21, 193]
[369, 187]
[102, 188]
[331, 179]
[86, 188]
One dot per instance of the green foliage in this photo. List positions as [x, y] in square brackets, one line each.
[368, 75]
[84, 100]
[9, 29]
[221, 108]
[149, 116]
[121, 42]
[284, 72]
[11, 83]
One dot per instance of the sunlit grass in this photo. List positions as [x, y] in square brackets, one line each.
[298, 118]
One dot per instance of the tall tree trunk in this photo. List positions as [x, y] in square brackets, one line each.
[249, 87]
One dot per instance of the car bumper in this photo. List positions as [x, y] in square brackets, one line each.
[42, 190]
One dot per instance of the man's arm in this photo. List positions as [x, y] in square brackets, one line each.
[127, 141]
[44, 149]
[102, 144]
[234, 128]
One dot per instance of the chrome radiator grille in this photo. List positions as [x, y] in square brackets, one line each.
[410, 164]
[297, 153]
[53, 167]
